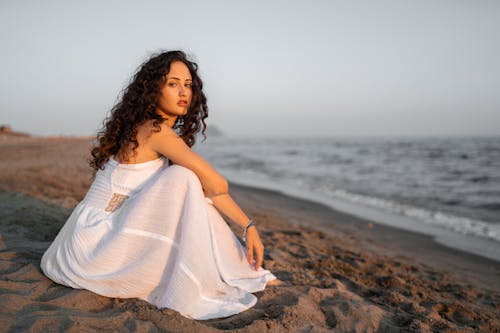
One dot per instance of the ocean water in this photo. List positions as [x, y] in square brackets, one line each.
[449, 183]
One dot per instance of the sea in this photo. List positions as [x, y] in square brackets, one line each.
[446, 187]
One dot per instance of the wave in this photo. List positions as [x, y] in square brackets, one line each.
[462, 225]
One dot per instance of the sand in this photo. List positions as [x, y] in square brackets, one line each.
[341, 273]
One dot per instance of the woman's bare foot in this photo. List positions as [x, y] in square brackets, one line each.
[275, 282]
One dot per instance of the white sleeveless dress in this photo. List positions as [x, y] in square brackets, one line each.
[146, 230]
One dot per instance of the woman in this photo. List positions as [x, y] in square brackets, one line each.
[148, 227]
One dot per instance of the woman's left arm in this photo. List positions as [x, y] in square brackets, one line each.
[227, 206]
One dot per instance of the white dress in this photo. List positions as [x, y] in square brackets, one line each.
[146, 230]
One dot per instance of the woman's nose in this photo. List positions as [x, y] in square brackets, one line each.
[182, 90]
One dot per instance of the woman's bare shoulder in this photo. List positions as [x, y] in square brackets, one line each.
[148, 129]
[162, 139]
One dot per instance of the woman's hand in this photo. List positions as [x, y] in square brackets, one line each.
[254, 244]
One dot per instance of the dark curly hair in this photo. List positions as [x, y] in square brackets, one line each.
[138, 105]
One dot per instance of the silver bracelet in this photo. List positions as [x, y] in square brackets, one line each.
[250, 223]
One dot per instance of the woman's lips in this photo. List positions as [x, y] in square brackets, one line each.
[182, 103]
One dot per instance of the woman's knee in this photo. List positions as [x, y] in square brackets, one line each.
[181, 173]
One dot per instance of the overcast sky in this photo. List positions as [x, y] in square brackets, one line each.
[269, 67]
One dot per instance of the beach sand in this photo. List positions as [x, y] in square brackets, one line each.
[341, 273]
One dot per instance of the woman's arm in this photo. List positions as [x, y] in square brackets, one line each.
[227, 206]
[168, 143]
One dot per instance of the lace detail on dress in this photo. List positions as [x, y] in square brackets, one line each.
[115, 202]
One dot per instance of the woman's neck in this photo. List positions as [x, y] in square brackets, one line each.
[171, 121]
[168, 118]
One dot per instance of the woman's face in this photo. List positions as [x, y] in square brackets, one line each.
[176, 94]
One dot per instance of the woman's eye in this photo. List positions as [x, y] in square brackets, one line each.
[173, 84]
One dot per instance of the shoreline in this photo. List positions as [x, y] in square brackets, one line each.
[341, 273]
[395, 241]
[472, 244]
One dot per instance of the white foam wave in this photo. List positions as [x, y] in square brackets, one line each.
[462, 225]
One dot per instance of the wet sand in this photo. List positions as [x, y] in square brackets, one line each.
[341, 273]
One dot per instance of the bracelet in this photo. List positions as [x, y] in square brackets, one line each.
[250, 223]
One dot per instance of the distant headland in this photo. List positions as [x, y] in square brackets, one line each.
[6, 130]
[213, 131]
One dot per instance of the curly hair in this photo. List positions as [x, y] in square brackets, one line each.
[138, 105]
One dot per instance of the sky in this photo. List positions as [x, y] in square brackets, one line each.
[269, 68]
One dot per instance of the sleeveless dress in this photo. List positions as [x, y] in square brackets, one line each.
[147, 231]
